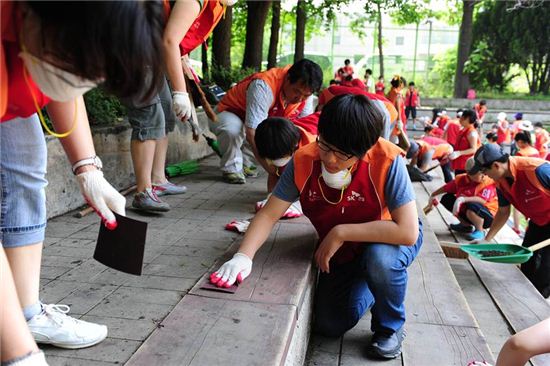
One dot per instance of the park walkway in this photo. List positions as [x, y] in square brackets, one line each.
[182, 245]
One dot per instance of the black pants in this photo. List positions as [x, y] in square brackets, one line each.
[448, 201]
[537, 269]
[447, 172]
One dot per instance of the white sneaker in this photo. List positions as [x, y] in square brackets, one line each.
[295, 210]
[53, 326]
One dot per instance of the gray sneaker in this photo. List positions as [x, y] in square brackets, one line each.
[385, 346]
[234, 178]
[168, 188]
[149, 201]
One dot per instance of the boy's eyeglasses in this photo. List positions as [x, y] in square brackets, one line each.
[339, 154]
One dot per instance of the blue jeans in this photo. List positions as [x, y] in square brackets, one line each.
[23, 158]
[377, 280]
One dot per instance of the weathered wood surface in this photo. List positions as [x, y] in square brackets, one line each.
[518, 300]
[281, 269]
[204, 331]
[254, 326]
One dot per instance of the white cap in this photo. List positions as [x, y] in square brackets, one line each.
[525, 125]
[501, 116]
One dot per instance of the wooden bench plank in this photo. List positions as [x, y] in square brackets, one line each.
[205, 331]
[433, 344]
[518, 300]
[281, 271]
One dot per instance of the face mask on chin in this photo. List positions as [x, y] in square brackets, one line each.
[338, 180]
[59, 85]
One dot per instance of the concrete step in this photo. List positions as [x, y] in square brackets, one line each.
[266, 322]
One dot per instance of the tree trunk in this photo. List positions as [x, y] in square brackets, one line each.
[221, 41]
[204, 60]
[300, 30]
[380, 52]
[274, 36]
[462, 81]
[255, 21]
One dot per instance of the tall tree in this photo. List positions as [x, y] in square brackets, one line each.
[255, 21]
[274, 36]
[221, 41]
[462, 80]
[379, 23]
[300, 30]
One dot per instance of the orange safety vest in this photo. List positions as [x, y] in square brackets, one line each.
[212, 11]
[362, 201]
[334, 90]
[306, 138]
[440, 150]
[16, 97]
[528, 152]
[485, 189]
[235, 99]
[462, 144]
[526, 193]
[541, 139]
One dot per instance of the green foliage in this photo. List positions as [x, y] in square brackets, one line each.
[103, 109]
[442, 78]
[519, 36]
[224, 77]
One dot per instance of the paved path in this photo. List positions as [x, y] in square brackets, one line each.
[181, 245]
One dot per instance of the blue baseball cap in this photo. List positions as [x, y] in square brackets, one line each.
[412, 149]
[486, 155]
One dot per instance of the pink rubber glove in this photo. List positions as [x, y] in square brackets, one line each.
[236, 269]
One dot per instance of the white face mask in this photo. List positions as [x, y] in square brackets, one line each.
[279, 163]
[59, 85]
[338, 180]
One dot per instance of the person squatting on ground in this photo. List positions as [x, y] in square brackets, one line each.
[525, 183]
[355, 189]
[51, 54]
[277, 139]
[472, 198]
[189, 23]
[278, 92]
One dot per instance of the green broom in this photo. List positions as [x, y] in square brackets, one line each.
[184, 168]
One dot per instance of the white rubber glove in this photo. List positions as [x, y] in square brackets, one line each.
[181, 105]
[101, 196]
[236, 269]
[454, 155]
[458, 203]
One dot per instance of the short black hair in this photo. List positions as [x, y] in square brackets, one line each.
[307, 72]
[351, 123]
[411, 83]
[482, 102]
[491, 136]
[349, 78]
[119, 41]
[347, 61]
[333, 82]
[276, 137]
[368, 71]
[523, 136]
[471, 116]
[428, 128]
[538, 124]
[397, 81]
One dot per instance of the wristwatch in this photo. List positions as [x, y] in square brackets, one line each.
[94, 160]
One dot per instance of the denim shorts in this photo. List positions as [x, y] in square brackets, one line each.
[152, 120]
[23, 159]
